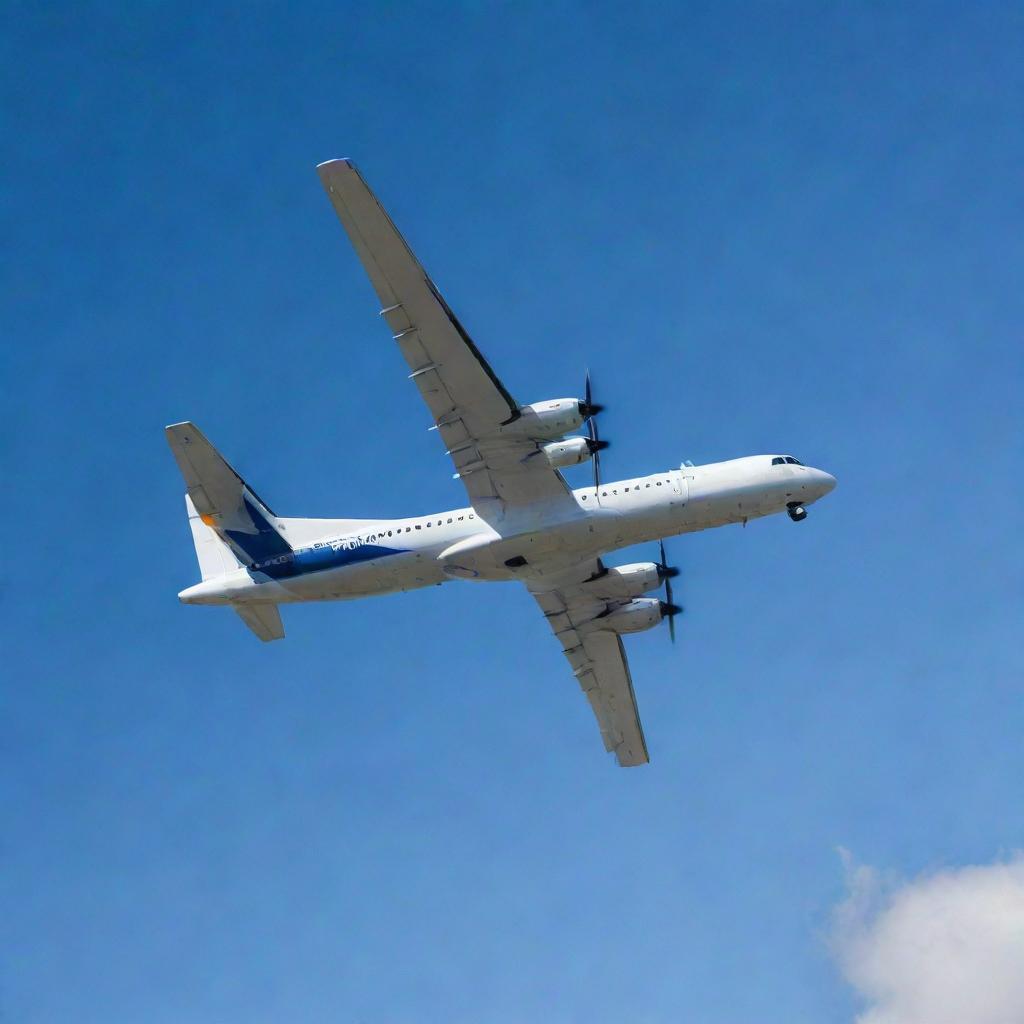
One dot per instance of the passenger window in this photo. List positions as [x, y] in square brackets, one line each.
[418, 527]
[461, 518]
[428, 526]
[658, 482]
[449, 519]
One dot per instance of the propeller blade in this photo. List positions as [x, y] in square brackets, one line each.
[665, 571]
[588, 408]
[594, 442]
[669, 609]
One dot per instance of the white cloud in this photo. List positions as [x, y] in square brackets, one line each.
[946, 948]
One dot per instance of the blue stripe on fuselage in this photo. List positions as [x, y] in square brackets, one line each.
[269, 553]
[266, 543]
[316, 559]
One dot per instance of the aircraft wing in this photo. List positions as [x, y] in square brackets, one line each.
[465, 397]
[597, 659]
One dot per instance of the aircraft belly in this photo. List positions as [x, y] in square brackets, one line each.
[416, 569]
[502, 558]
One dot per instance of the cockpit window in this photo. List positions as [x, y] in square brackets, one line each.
[782, 460]
[778, 461]
[792, 461]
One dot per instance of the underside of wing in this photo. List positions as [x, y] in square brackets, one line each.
[468, 402]
[598, 661]
[606, 681]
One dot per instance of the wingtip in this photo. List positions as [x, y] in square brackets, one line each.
[177, 433]
[327, 164]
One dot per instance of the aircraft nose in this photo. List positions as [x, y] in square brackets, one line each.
[827, 482]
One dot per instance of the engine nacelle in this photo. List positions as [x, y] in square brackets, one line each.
[625, 581]
[570, 451]
[636, 616]
[553, 418]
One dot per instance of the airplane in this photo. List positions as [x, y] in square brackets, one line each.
[523, 521]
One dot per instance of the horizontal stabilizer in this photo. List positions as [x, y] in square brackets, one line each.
[263, 619]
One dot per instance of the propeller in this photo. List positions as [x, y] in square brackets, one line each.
[589, 410]
[669, 610]
[588, 407]
[596, 446]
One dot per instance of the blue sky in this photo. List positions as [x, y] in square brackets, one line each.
[764, 227]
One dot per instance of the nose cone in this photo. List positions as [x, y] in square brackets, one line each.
[825, 483]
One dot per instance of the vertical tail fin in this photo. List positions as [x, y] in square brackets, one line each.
[215, 557]
[231, 527]
[223, 501]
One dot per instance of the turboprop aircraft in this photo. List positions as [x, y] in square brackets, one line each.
[523, 521]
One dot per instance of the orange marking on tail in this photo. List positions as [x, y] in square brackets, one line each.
[209, 520]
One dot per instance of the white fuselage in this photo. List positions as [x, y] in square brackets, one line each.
[385, 556]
